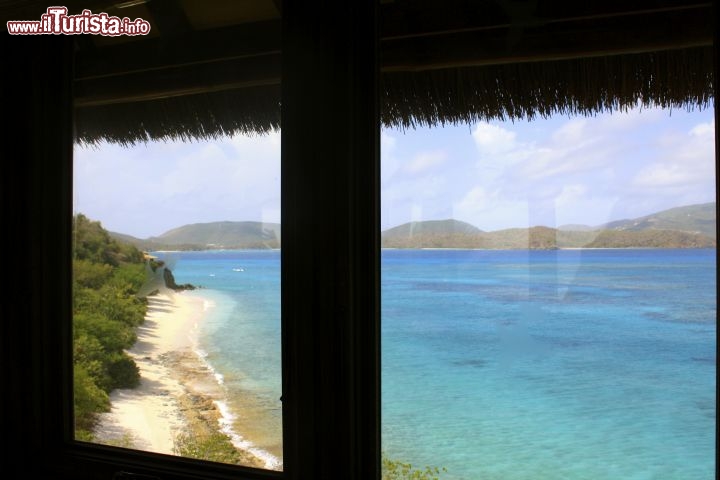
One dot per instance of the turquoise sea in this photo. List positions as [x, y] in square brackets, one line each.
[503, 365]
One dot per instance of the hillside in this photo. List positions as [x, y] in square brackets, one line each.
[692, 218]
[223, 235]
[544, 238]
[698, 218]
[213, 235]
[691, 226]
[145, 245]
[431, 227]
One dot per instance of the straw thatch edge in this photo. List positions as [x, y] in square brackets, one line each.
[248, 111]
[677, 79]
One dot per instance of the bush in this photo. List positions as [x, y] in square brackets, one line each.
[395, 470]
[123, 372]
[215, 447]
[112, 335]
[87, 274]
[106, 278]
[89, 399]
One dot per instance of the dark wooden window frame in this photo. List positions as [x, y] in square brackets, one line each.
[330, 292]
[330, 259]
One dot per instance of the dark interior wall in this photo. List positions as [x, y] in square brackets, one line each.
[36, 152]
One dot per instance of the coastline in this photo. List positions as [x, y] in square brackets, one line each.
[543, 249]
[178, 393]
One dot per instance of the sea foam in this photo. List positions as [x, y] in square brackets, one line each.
[226, 421]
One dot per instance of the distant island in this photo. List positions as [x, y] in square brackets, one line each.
[210, 236]
[691, 226]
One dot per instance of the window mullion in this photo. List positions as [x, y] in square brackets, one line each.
[330, 255]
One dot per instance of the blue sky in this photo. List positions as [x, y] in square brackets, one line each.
[563, 170]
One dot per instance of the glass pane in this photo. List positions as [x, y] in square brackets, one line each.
[177, 298]
[549, 298]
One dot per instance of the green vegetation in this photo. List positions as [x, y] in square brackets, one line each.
[395, 470]
[431, 227]
[650, 239]
[217, 447]
[106, 276]
[213, 235]
[692, 226]
[691, 218]
[544, 238]
[214, 447]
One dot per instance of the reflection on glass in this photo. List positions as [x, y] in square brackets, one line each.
[177, 298]
[549, 298]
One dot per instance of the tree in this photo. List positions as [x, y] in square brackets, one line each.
[106, 278]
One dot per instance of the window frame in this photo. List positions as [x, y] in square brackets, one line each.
[329, 326]
[36, 197]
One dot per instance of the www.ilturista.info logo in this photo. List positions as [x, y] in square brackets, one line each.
[57, 22]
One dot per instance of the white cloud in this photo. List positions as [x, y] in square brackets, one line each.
[425, 161]
[703, 129]
[571, 148]
[572, 132]
[634, 119]
[148, 189]
[491, 175]
[231, 176]
[586, 170]
[493, 139]
[685, 164]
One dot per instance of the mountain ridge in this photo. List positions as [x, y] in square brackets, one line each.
[211, 236]
[689, 226]
[431, 227]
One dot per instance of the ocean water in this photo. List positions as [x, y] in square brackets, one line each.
[240, 339]
[512, 365]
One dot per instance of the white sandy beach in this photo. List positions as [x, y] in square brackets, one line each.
[149, 417]
[178, 391]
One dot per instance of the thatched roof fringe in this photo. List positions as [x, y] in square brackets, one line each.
[678, 79]
[674, 79]
[249, 111]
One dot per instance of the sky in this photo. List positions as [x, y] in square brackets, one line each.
[553, 172]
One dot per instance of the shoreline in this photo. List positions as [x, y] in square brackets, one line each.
[178, 393]
[545, 249]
